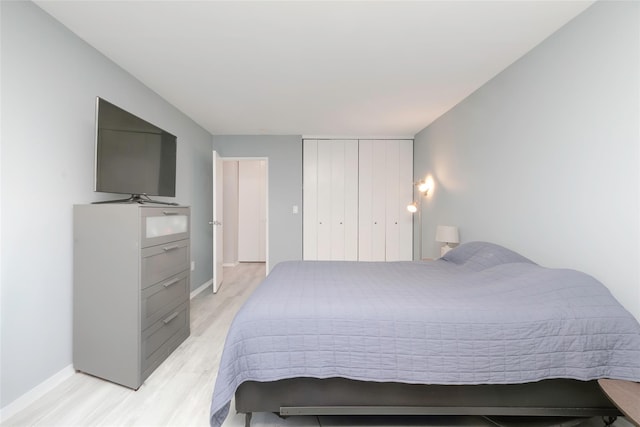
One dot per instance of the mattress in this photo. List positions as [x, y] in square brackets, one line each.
[482, 314]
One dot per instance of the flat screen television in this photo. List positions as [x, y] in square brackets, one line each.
[132, 156]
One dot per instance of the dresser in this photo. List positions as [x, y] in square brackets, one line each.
[131, 288]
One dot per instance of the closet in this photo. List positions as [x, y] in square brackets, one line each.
[355, 194]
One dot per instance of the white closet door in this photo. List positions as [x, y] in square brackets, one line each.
[405, 218]
[310, 200]
[378, 201]
[392, 172]
[324, 200]
[399, 174]
[365, 200]
[330, 195]
[351, 200]
[337, 200]
[371, 203]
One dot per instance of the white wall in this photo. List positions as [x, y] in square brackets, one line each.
[544, 158]
[50, 79]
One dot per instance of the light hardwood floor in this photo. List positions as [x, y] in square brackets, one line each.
[179, 392]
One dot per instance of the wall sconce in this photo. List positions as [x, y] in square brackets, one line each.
[447, 234]
[423, 187]
[413, 207]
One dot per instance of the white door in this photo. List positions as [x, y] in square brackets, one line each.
[310, 200]
[351, 201]
[385, 188]
[405, 184]
[392, 201]
[378, 201]
[251, 211]
[330, 195]
[372, 200]
[217, 221]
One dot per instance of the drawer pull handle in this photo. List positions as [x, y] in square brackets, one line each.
[170, 318]
[173, 282]
[169, 213]
[170, 248]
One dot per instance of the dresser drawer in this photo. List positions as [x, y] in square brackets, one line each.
[159, 299]
[164, 336]
[163, 261]
[163, 225]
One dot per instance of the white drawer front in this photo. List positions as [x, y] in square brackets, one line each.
[161, 225]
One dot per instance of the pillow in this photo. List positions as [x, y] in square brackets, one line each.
[478, 256]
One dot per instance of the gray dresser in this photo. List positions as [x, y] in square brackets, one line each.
[131, 288]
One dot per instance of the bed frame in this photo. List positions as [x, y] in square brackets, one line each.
[339, 396]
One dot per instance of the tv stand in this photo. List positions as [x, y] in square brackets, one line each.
[136, 198]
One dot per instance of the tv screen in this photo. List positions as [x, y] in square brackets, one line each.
[132, 155]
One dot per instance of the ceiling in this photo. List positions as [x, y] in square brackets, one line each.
[350, 68]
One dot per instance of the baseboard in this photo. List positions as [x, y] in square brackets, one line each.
[36, 393]
[201, 288]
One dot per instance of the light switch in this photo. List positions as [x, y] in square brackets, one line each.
[295, 209]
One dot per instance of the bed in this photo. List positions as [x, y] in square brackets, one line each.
[481, 331]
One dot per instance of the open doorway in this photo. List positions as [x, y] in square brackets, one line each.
[245, 206]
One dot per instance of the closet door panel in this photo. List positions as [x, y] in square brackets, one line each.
[378, 201]
[337, 200]
[324, 201]
[405, 218]
[365, 200]
[310, 200]
[392, 172]
[351, 200]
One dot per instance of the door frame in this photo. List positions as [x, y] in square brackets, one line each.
[266, 198]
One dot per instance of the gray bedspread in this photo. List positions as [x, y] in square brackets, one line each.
[480, 315]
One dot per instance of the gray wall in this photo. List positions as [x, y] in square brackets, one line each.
[50, 79]
[544, 158]
[285, 187]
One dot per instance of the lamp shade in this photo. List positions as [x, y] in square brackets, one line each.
[447, 234]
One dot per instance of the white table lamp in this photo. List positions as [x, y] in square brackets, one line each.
[447, 234]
